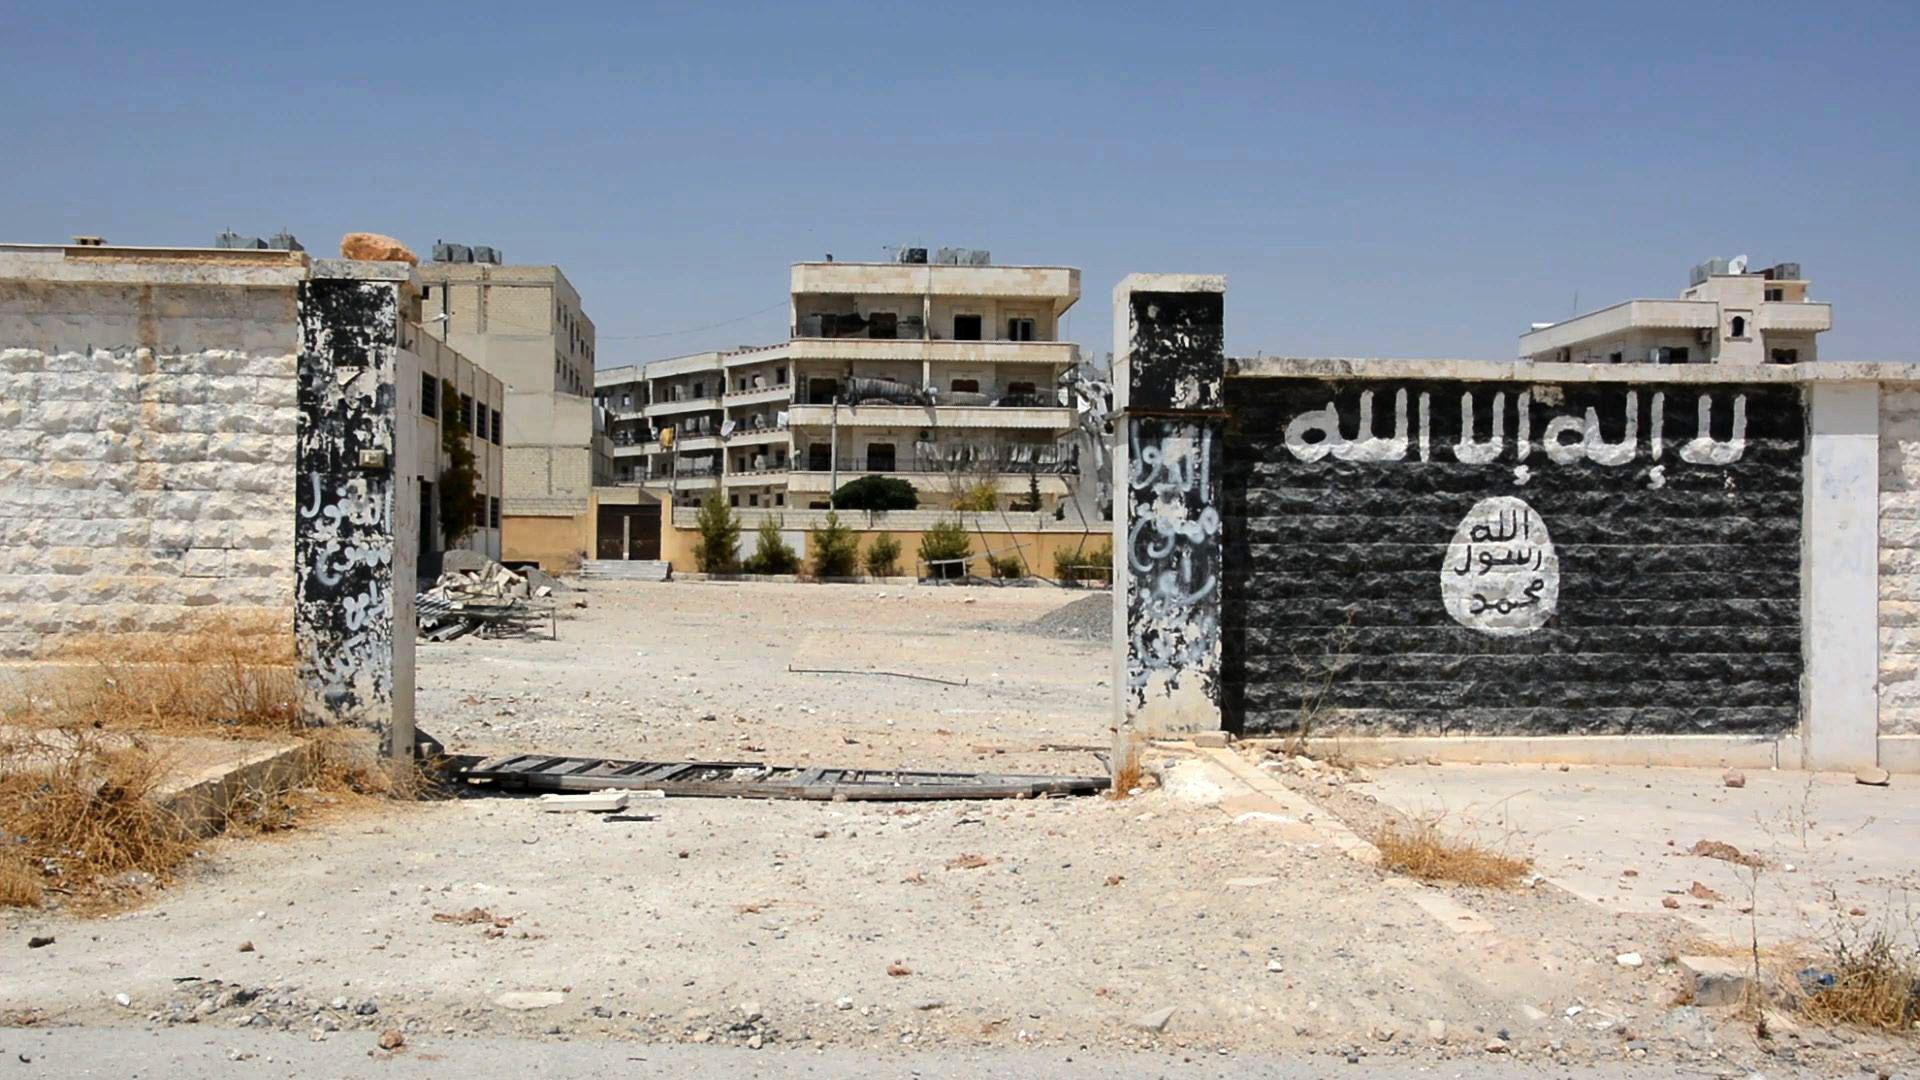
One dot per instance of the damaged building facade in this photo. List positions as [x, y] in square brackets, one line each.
[1631, 562]
[948, 373]
[234, 437]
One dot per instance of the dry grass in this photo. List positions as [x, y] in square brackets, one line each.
[1876, 984]
[1421, 850]
[231, 677]
[1128, 748]
[81, 820]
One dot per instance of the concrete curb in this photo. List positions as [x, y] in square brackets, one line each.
[202, 801]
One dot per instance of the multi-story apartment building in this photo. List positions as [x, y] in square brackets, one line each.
[1727, 315]
[944, 373]
[450, 384]
[524, 324]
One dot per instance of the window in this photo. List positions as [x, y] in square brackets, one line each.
[480, 414]
[1785, 356]
[880, 457]
[966, 328]
[493, 511]
[1776, 294]
[1019, 329]
[822, 391]
[699, 390]
[466, 410]
[1020, 389]
[733, 500]
[819, 457]
[753, 499]
[966, 386]
[1738, 326]
[779, 499]
[426, 292]
[480, 514]
[429, 395]
[883, 324]
[1670, 354]
[496, 427]
[780, 375]
[1613, 358]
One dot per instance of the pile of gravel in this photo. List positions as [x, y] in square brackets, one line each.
[1089, 618]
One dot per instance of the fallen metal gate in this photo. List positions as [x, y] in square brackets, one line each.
[754, 780]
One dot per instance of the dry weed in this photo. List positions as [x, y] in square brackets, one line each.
[1422, 851]
[79, 812]
[1875, 983]
[231, 677]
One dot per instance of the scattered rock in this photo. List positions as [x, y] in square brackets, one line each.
[1669, 903]
[38, 942]
[1210, 740]
[529, 999]
[1717, 849]
[843, 1003]
[750, 1012]
[123, 1001]
[896, 970]
[1701, 892]
[366, 1008]
[1436, 1031]
[1497, 1046]
[1155, 1021]
[1734, 778]
[246, 946]
[1873, 777]
[592, 802]
[1629, 959]
[391, 1040]
[1717, 980]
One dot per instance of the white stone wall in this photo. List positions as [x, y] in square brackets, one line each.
[142, 487]
[1899, 561]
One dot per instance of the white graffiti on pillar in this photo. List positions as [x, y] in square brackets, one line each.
[1173, 553]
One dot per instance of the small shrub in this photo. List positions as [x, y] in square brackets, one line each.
[1875, 984]
[1008, 566]
[883, 557]
[773, 555]
[876, 493]
[945, 540]
[718, 549]
[978, 498]
[1071, 565]
[1421, 850]
[835, 550]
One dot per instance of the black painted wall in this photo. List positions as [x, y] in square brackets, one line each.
[1676, 607]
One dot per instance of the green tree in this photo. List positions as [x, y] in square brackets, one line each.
[461, 502]
[945, 540]
[977, 498]
[717, 551]
[836, 551]
[876, 493]
[883, 557]
[772, 555]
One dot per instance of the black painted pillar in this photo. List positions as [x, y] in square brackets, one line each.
[355, 537]
[1169, 365]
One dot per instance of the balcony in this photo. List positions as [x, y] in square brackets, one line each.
[629, 450]
[759, 396]
[1060, 285]
[676, 408]
[932, 481]
[755, 436]
[914, 350]
[772, 474]
[1056, 419]
[1811, 318]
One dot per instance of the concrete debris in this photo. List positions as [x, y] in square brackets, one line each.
[1629, 959]
[391, 1040]
[476, 594]
[593, 802]
[1717, 980]
[1089, 618]
[1873, 777]
[524, 1000]
[1734, 778]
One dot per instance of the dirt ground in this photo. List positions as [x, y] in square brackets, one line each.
[1056, 925]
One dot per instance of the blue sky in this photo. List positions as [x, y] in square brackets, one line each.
[1397, 180]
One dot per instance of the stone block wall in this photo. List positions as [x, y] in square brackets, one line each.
[1899, 561]
[147, 441]
[1513, 558]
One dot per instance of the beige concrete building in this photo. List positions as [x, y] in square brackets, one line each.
[479, 399]
[943, 373]
[1727, 315]
[525, 325]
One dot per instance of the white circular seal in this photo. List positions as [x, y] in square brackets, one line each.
[1501, 575]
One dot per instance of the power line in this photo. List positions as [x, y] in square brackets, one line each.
[692, 330]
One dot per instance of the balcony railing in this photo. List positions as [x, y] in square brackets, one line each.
[858, 391]
[1047, 461]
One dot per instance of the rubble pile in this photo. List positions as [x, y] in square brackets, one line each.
[474, 594]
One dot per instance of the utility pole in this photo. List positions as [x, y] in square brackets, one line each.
[833, 452]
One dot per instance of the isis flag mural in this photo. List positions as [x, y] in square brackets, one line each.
[1512, 558]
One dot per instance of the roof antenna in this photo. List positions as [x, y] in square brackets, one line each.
[1576, 303]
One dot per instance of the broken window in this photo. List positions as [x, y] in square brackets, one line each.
[966, 328]
[880, 457]
[822, 391]
[1019, 329]
[883, 324]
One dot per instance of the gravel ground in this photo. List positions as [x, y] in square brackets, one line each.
[1058, 927]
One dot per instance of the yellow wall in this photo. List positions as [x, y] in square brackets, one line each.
[555, 542]
[677, 545]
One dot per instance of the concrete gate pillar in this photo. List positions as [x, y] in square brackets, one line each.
[356, 537]
[1840, 577]
[1169, 369]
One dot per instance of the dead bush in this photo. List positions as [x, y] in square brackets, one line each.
[80, 818]
[1419, 849]
[1869, 980]
[229, 676]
